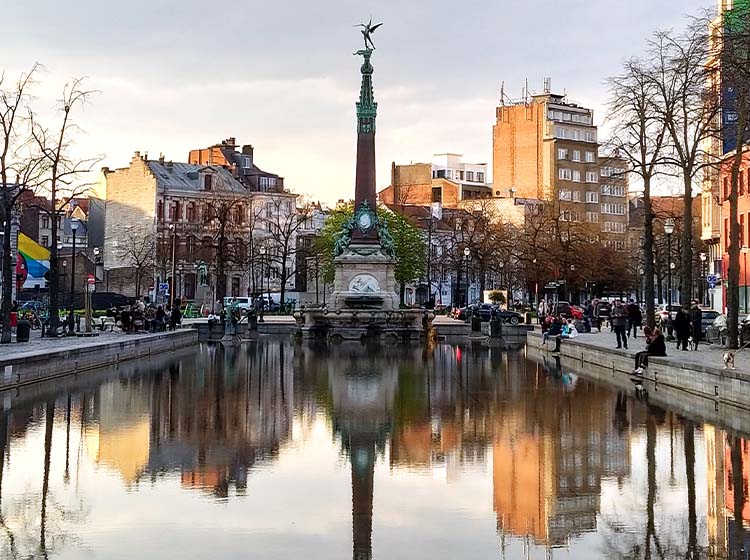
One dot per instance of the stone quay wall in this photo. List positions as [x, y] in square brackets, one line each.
[714, 394]
[33, 367]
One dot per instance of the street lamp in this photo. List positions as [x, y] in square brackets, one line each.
[570, 285]
[181, 268]
[704, 273]
[669, 230]
[173, 287]
[467, 252]
[74, 223]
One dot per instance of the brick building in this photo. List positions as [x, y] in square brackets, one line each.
[546, 148]
[447, 180]
[743, 212]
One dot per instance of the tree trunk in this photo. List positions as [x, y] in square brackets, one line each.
[282, 287]
[648, 254]
[686, 266]
[8, 270]
[402, 292]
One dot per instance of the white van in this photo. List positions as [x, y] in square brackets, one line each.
[243, 303]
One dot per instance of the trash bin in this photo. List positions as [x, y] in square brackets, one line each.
[527, 318]
[23, 330]
[476, 323]
[13, 319]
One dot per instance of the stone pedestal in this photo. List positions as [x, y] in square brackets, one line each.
[364, 280]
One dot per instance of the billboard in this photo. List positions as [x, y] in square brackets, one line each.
[32, 263]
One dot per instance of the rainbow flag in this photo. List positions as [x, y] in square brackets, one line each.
[32, 263]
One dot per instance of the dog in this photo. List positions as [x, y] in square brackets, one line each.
[728, 360]
[692, 343]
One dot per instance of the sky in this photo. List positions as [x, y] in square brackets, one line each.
[175, 75]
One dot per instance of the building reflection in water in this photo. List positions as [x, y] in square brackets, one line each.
[547, 441]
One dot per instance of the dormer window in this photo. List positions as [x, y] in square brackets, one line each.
[207, 182]
[245, 162]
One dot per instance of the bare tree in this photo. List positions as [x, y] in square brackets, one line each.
[19, 164]
[284, 223]
[139, 253]
[64, 175]
[639, 136]
[688, 110]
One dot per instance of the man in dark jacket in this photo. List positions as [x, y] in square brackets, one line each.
[696, 320]
[635, 318]
[682, 327]
[619, 320]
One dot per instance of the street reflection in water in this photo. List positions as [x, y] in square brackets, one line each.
[271, 450]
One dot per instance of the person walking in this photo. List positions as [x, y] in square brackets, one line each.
[635, 318]
[682, 327]
[619, 320]
[696, 321]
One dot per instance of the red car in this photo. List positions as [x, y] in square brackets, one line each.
[576, 312]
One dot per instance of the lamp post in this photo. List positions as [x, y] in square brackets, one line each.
[181, 282]
[262, 273]
[173, 287]
[704, 273]
[501, 265]
[669, 230]
[467, 252]
[74, 223]
[536, 287]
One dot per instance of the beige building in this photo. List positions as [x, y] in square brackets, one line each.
[545, 147]
[176, 206]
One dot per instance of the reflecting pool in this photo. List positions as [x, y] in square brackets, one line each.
[269, 450]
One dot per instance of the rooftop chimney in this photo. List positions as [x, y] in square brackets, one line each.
[230, 142]
[161, 158]
[248, 150]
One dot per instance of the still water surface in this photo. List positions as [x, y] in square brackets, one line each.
[271, 450]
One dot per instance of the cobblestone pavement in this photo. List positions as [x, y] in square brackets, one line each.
[707, 355]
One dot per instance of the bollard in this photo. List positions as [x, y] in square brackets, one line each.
[476, 323]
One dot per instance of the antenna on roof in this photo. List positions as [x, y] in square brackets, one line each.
[547, 85]
[502, 94]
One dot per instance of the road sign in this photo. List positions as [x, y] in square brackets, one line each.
[712, 280]
[164, 287]
[90, 279]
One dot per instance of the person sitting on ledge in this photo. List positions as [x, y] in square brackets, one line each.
[655, 346]
[569, 331]
[555, 328]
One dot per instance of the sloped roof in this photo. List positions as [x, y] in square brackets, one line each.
[186, 177]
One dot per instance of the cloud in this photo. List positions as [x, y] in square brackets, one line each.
[176, 75]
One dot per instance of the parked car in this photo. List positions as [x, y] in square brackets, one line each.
[662, 314]
[707, 319]
[484, 311]
[243, 303]
[576, 313]
[562, 308]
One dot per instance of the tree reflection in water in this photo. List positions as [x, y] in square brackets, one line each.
[559, 452]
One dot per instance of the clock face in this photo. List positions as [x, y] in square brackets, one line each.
[365, 221]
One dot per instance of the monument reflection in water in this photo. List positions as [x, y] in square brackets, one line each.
[271, 450]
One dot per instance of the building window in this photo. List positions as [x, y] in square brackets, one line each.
[576, 196]
[742, 183]
[590, 137]
[590, 157]
[613, 209]
[614, 227]
[437, 194]
[592, 217]
[469, 175]
[207, 182]
[576, 176]
[613, 190]
[245, 162]
[562, 153]
[560, 131]
[564, 174]
[742, 230]
[576, 155]
[45, 222]
[239, 215]
[45, 241]
[592, 177]
[190, 212]
[480, 177]
[592, 197]
[160, 211]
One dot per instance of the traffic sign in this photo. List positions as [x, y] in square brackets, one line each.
[90, 279]
[712, 280]
[164, 287]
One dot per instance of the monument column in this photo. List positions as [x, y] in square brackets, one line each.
[364, 185]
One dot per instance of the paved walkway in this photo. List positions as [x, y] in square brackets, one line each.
[707, 355]
[37, 344]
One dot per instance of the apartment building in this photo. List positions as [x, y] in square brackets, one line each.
[546, 147]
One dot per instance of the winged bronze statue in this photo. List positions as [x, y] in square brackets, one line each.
[367, 30]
